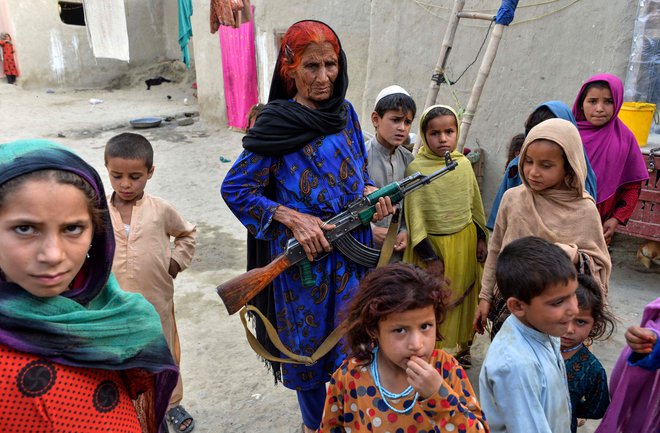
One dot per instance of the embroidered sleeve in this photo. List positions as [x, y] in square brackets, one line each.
[243, 189]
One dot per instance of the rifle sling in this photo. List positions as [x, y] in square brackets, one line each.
[390, 238]
[293, 358]
[334, 337]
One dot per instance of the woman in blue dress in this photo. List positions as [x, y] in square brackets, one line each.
[304, 161]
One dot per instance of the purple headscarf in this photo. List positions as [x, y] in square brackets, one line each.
[612, 148]
[635, 391]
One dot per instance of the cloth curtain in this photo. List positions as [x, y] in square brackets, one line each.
[239, 71]
[185, 29]
[106, 27]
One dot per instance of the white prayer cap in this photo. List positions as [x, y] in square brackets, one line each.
[390, 90]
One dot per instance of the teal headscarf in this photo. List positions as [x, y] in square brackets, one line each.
[95, 324]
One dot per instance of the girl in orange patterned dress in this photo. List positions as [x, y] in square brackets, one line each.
[396, 380]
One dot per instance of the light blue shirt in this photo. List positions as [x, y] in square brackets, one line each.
[523, 385]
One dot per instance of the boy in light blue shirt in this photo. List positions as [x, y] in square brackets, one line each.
[523, 384]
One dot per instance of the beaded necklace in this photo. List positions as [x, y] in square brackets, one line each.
[387, 394]
[570, 349]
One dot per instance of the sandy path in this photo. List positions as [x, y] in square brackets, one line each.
[226, 387]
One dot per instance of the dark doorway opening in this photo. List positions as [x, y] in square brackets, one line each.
[72, 13]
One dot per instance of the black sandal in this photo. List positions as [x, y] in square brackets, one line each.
[464, 358]
[177, 416]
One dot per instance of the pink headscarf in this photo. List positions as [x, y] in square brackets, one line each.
[612, 148]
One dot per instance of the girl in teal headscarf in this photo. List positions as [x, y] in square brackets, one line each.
[76, 351]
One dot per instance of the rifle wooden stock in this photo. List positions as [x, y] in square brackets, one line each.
[238, 291]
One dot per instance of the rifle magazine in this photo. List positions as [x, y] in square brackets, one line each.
[357, 251]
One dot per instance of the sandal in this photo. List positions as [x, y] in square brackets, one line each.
[177, 416]
[464, 359]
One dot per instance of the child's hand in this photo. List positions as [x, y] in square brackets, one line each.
[609, 227]
[423, 377]
[482, 250]
[641, 340]
[401, 241]
[174, 268]
[481, 316]
[379, 234]
[437, 269]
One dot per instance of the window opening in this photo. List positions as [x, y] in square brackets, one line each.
[72, 13]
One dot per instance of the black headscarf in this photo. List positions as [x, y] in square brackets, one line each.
[284, 126]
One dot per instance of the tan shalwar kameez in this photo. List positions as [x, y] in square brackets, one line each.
[142, 260]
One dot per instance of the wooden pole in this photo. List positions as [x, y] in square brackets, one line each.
[484, 70]
[439, 70]
[476, 16]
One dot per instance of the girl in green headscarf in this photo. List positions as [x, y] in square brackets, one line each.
[447, 226]
[76, 352]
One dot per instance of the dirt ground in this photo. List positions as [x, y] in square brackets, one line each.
[226, 387]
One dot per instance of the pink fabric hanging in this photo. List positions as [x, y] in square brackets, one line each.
[239, 71]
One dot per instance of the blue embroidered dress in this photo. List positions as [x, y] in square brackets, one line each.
[321, 179]
[587, 384]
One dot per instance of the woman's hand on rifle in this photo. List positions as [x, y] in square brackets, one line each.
[307, 229]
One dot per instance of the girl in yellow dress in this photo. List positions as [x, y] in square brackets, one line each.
[447, 226]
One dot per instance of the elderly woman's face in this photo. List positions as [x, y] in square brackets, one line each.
[316, 75]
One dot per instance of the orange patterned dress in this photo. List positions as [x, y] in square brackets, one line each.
[40, 396]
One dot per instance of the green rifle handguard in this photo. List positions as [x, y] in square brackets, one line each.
[393, 191]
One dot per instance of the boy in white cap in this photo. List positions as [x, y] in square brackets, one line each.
[392, 118]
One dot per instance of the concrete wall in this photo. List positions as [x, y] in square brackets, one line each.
[52, 53]
[542, 56]
[545, 54]
[208, 65]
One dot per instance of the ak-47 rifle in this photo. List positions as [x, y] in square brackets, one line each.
[238, 291]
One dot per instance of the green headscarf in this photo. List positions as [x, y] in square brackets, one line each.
[448, 204]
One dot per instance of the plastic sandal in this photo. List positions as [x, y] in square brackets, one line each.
[177, 416]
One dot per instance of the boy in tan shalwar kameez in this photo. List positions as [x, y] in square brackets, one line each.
[144, 260]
